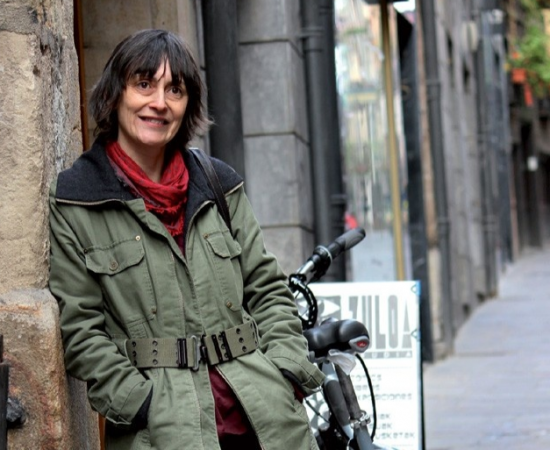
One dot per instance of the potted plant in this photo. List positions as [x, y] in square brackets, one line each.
[530, 59]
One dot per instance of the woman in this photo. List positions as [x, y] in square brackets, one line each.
[185, 332]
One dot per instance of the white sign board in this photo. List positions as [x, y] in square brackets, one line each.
[390, 311]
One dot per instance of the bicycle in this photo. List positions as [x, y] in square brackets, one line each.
[331, 344]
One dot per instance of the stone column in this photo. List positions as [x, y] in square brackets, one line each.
[274, 107]
[39, 135]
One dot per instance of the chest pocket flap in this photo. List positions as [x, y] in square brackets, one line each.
[114, 258]
[223, 245]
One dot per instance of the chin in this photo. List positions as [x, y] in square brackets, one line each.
[154, 143]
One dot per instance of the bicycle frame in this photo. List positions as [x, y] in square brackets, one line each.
[347, 423]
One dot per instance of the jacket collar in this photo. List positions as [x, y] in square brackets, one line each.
[91, 180]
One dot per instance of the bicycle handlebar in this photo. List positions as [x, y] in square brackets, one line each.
[318, 263]
[348, 240]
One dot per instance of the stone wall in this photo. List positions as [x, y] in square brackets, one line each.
[40, 135]
[57, 416]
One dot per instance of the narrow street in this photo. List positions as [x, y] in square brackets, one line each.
[494, 392]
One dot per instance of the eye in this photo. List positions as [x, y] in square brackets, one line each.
[176, 92]
[143, 84]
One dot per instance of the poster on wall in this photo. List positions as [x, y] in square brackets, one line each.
[390, 311]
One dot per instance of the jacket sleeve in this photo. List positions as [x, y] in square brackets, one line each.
[269, 300]
[116, 389]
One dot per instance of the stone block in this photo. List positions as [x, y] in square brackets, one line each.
[116, 20]
[278, 169]
[164, 14]
[94, 62]
[40, 129]
[23, 228]
[273, 89]
[268, 20]
[189, 27]
[106, 23]
[19, 17]
[57, 413]
[291, 246]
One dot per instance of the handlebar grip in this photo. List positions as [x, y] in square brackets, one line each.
[346, 241]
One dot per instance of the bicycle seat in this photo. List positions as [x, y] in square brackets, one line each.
[344, 335]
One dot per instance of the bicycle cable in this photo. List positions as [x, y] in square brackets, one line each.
[296, 282]
[315, 410]
[373, 400]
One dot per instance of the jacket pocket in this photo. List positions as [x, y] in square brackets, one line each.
[121, 269]
[115, 258]
[223, 245]
[225, 253]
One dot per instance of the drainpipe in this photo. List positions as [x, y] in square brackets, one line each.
[433, 85]
[317, 87]
[485, 110]
[504, 145]
[505, 168]
[222, 78]
[408, 58]
[334, 164]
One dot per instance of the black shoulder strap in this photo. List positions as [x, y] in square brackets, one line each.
[214, 182]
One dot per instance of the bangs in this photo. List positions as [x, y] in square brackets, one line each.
[155, 53]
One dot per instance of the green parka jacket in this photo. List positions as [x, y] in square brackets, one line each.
[118, 274]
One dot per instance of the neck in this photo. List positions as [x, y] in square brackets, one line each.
[151, 161]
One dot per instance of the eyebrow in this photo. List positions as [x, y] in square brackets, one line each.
[144, 76]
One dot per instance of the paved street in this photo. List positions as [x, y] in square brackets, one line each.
[494, 392]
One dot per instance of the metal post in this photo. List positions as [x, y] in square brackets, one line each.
[223, 81]
[4, 379]
[392, 146]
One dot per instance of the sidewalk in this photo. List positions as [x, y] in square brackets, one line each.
[494, 392]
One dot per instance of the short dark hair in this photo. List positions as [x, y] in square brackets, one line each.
[141, 54]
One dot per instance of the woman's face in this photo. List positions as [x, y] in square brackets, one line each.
[150, 111]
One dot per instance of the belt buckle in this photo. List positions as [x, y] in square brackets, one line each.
[182, 353]
[198, 353]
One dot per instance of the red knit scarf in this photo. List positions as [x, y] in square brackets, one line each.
[165, 199]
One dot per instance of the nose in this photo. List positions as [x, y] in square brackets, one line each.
[158, 101]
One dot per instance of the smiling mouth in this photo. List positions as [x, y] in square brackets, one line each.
[154, 121]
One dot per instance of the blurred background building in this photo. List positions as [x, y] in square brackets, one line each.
[426, 123]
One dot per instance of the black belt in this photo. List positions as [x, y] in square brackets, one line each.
[187, 353]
